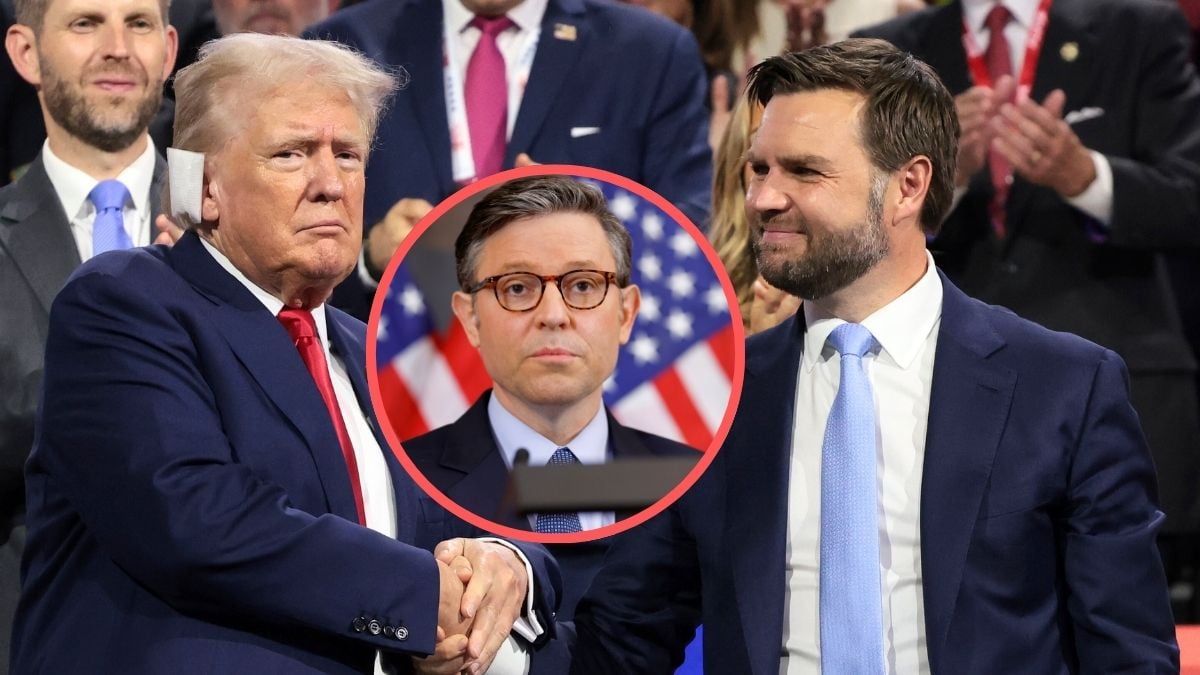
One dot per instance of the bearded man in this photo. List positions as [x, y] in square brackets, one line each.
[915, 481]
[98, 67]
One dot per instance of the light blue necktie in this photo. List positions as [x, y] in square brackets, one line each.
[559, 522]
[108, 230]
[851, 611]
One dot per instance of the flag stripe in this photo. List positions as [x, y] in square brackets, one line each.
[679, 402]
[643, 408]
[402, 410]
[701, 374]
[464, 361]
[439, 398]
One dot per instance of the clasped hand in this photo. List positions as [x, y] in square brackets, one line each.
[483, 588]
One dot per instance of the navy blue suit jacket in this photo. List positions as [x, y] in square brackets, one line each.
[189, 509]
[464, 462]
[636, 76]
[1038, 520]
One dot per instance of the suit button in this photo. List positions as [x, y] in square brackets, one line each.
[389, 631]
[401, 633]
[360, 624]
[374, 627]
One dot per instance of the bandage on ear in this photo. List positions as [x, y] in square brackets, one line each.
[186, 174]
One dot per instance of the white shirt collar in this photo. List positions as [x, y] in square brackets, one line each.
[976, 12]
[73, 185]
[900, 327]
[272, 303]
[590, 445]
[527, 15]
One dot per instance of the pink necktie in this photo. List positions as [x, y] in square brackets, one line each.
[999, 64]
[486, 92]
[303, 330]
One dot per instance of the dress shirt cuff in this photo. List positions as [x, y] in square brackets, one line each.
[512, 658]
[527, 625]
[364, 276]
[1097, 199]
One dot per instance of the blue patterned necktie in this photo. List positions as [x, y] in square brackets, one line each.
[559, 522]
[108, 230]
[851, 611]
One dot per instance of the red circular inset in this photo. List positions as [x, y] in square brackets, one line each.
[737, 371]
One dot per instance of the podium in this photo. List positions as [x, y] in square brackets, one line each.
[621, 485]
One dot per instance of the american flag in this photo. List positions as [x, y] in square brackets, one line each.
[673, 377]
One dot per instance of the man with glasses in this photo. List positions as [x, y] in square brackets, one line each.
[543, 267]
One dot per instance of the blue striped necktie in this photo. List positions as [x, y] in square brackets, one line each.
[559, 522]
[108, 230]
[851, 611]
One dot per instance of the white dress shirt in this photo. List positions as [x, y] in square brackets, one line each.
[590, 446]
[512, 43]
[374, 477]
[1096, 200]
[900, 373]
[73, 185]
[375, 480]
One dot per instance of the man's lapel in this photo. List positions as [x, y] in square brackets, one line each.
[757, 488]
[566, 30]
[37, 234]
[347, 344]
[157, 184]
[421, 53]
[266, 351]
[470, 451]
[968, 408]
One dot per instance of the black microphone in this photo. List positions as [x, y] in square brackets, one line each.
[521, 458]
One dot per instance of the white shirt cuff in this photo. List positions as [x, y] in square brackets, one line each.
[512, 658]
[1097, 199]
[527, 625]
[364, 276]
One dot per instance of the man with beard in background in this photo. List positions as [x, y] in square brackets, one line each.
[98, 67]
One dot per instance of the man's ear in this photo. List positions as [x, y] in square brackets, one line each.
[913, 180]
[21, 45]
[631, 302]
[172, 51]
[463, 305]
[210, 201]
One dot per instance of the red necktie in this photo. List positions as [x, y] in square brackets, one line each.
[486, 92]
[999, 63]
[303, 329]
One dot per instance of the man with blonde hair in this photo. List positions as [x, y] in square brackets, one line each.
[207, 492]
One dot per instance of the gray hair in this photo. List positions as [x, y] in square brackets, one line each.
[234, 73]
[538, 196]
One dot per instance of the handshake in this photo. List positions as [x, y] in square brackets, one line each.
[483, 590]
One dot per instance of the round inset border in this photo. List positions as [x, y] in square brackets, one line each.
[709, 454]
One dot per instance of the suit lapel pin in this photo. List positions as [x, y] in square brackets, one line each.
[1069, 51]
[565, 31]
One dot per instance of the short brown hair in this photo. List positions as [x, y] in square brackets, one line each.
[32, 13]
[908, 113]
[538, 196]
